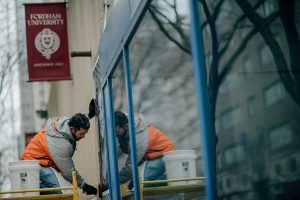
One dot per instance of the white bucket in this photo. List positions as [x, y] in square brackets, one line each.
[180, 164]
[24, 175]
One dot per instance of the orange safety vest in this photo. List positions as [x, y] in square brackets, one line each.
[158, 143]
[38, 149]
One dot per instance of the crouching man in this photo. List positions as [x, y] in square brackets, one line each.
[54, 147]
[151, 144]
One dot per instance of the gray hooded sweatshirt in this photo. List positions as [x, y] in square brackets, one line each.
[62, 144]
[141, 132]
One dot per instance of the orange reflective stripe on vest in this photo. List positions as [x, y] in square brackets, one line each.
[38, 149]
[158, 143]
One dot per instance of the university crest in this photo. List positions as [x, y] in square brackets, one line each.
[47, 42]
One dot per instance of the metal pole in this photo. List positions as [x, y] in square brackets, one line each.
[81, 53]
[111, 136]
[105, 136]
[135, 173]
[203, 105]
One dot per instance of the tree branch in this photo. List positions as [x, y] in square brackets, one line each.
[217, 10]
[228, 66]
[236, 25]
[187, 50]
[177, 25]
[290, 85]
[287, 16]
[213, 72]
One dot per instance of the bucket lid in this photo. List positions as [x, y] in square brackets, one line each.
[24, 163]
[180, 153]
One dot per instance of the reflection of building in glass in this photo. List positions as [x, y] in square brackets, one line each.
[258, 149]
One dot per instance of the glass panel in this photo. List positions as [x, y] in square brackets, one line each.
[164, 93]
[120, 104]
[254, 95]
[102, 150]
[110, 142]
[119, 88]
[251, 106]
[274, 93]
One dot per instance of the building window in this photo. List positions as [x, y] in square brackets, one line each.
[42, 104]
[228, 183]
[292, 164]
[244, 139]
[251, 106]
[269, 7]
[274, 93]
[260, 135]
[278, 169]
[265, 55]
[229, 83]
[219, 161]
[280, 136]
[233, 155]
[248, 68]
[41, 92]
[231, 117]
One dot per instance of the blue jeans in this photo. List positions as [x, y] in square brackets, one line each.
[154, 170]
[48, 180]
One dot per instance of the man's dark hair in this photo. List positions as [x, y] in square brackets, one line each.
[120, 119]
[79, 121]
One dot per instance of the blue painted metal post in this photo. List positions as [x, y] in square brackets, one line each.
[135, 172]
[115, 183]
[105, 137]
[203, 105]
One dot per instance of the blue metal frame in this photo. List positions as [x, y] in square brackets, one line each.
[203, 104]
[114, 186]
[105, 136]
[131, 124]
[112, 48]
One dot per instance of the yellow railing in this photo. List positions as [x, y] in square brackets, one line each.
[173, 180]
[182, 188]
[144, 191]
[68, 196]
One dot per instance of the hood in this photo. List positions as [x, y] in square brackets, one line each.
[140, 124]
[58, 127]
[140, 127]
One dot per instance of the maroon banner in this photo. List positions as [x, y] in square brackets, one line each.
[47, 42]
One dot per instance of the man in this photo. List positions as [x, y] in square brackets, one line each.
[54, 147]
[151, 143]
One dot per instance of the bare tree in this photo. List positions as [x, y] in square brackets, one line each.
[9, 55]
[3, 171]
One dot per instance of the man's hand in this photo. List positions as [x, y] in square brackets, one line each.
[88, 189]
